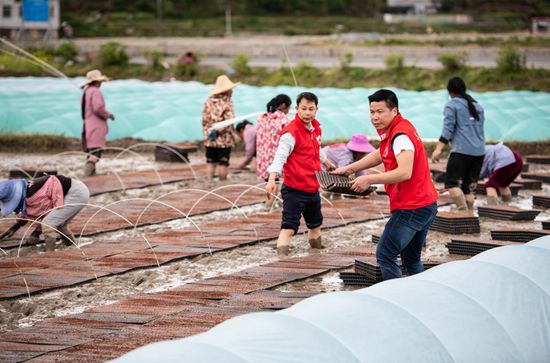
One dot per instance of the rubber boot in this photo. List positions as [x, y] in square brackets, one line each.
[50, 237]
[67, 235]
[460, 202]
[283, 251]
[34, 238]
[470, 204]
[316, 243]
[89, 169]
[506, 198]
[492, 200]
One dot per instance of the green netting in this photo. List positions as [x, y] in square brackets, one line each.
[171, 111]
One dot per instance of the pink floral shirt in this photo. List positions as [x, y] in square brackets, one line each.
[216, 109]
[269, 125]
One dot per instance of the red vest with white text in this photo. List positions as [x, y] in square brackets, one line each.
[302, 163]
[419, 190]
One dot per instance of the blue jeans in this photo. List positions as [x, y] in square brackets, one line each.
[404, 235]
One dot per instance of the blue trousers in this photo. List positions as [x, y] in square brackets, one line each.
[404, 234]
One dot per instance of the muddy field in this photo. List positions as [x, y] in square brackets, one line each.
[27, 311]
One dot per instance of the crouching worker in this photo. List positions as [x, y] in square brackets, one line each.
[53, 199]
[407, 181]
[299, 157]
[502, 165]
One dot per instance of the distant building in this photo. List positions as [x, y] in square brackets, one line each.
[29, 19]
[412, 7]
[540, 24]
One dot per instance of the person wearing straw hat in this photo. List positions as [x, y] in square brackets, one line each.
[344, 154]
[95, 116]
[218, 143]
[53, 199]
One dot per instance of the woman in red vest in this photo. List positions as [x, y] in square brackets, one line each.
[407, 181]
[299, 157]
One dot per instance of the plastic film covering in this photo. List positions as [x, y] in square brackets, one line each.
[494, 307]
[171, 111]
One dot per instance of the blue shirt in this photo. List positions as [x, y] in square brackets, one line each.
[465, 134]
[496, 157]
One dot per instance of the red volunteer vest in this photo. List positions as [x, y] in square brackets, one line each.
[302, 163]
[419, 190]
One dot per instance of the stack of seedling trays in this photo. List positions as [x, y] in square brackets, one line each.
[471, 247]
[509, 213]
[529, 183]
[456, 223]
[367, 272]
[538, 159]
[339, 184]
[518, 235]
[514, 188]
[541, 201]
[375, 238]
[545, 177]
[352, 278]
[546, 225]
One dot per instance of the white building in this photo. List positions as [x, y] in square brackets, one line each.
[413, 6]
[29, 19]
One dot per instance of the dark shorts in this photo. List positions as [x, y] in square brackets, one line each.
[218, 155]
[297, 203]
[95, 152]
[503, 177]
[463, 172]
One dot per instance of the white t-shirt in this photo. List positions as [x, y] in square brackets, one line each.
[402, 142]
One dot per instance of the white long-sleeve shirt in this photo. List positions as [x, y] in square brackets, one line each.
[284, 149]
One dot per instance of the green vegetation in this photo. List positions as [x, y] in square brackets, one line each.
[510, 74]
[240, 64]
[394, 62]
[453, 61]
[185, 18]
[510, 60]
[113, 54]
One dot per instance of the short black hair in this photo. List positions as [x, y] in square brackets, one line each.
[241, 125]
[308, 96]
[387, 96]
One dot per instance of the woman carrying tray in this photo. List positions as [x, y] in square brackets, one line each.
[407, 181]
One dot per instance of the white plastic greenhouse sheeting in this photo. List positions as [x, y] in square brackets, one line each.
[494, 307]
[171, 111]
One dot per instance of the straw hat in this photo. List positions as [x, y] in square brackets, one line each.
[93, 76]
[223, 84]
[360, 143]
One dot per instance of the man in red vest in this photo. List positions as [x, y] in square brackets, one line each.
[299, 156]
[407, 181]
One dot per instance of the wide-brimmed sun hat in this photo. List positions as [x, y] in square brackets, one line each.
[93, 76]
[360, 143]
[223, 84]
[12, 195]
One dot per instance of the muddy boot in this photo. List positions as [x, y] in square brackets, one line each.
[492, 200]
[67, 235]
[50, 237]
[316, 243]
[89, 169]
[470, 204]
[34, 238]
[506, 198]
[283, 251]
[460, 202]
